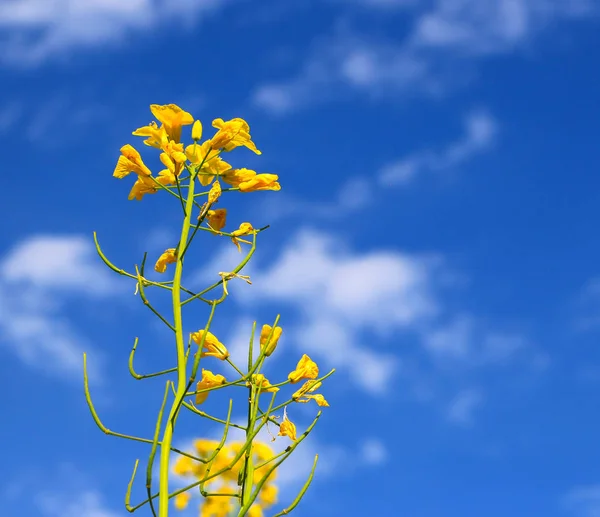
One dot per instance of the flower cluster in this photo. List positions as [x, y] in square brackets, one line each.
[223, 487]
[204, 156]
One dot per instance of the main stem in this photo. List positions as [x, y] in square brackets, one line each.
[165, 449]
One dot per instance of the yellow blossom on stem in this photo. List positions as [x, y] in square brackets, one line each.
[305, 369]
[156, 136]
[268, 495]
[184, 466]
[205, 447]
[255, 511]
[130, 161]
[217, 218]
[260, 182]
[214, 506]
[142, 186]
[168, 257]
[244, 229]
[212, 164]
[318, 398]
[215, 192]
[213, 346]
[307, 387]
[172, 118]
[232, 133]
[182, 500]
[264, 337]
[287, 428]
[258, 379]
[197, 130]
[236, 176]
[209, 380]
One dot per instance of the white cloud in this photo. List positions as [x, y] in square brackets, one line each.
[354, 194]
[475, 27]
[65, 491]
[374, 452]
[37, 277]
[64, 263]
[444, 40]
[464, 340]
[462, 407]
[36, 30]
[86, 504]
[583, 501]
[480, 134]
[341, 295]
[345, 304]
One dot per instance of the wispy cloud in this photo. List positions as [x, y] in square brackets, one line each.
[480, 133]
[587, 306]
[346, 303]
[85, 504]
[444, 40]
[466, 341]
[374, 452]
[583, 501]
[37, 278]
[35, 30]
[66, 491]
[338, 294]
[462, 407]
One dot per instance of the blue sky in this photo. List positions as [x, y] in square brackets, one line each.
[434, 240]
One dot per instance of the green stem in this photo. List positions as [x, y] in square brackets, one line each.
[163, 486]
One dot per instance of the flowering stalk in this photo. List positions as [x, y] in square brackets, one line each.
[250, 464]
[163, 504]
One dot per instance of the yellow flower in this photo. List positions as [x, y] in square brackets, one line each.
[287, 428]
[182, 500]
[260, 182]
[209, 380]
[172, 163]
[216, 506]
[197, 130]
[236, 176]
[172, 118]
[307, 387]
[130, 161]
[156, 136]
[212, 344]
[305, 394]
[212, 164]
[264, 336]
[305, 369]
[258, 379]
[217, 218]
[168, 257]
[184, 466]
[319, 399]
[143, 185]
[215, 192]
[232, 134]
[198, 153]
[165, 177]
[255, 511]
[205, 447]
[263, 451]
[244, 229]
[268, 495]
